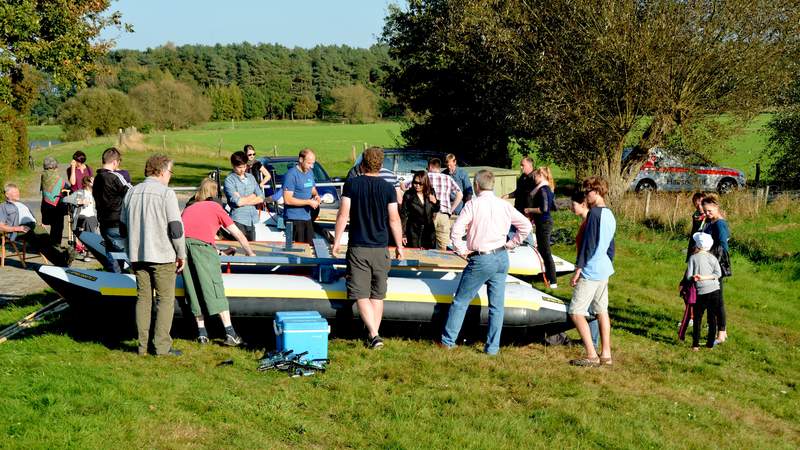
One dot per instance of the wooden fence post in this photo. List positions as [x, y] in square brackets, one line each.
[354, 154]
[647, 205]
[675, 211]
[219, 148]
[766, 195]
[275, 150]
[164, 142]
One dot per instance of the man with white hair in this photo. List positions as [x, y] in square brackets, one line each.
[17, 221]
[485, 220]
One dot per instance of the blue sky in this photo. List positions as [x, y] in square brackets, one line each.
[301, 23]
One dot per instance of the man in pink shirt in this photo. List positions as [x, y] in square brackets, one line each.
[485, 219]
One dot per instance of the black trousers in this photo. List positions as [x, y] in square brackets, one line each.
[722, 322]
[544, 228]
[249, 231]
[302, 231]
[706, 302]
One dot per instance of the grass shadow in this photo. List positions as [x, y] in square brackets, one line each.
[653, 324]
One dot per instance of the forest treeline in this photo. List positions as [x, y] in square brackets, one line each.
[236, 81]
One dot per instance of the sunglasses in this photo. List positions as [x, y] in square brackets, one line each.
[251, 154]
[417, 183]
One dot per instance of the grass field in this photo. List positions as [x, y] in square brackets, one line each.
[65, 386]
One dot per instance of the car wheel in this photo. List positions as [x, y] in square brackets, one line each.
[645, 185]
[726, 186]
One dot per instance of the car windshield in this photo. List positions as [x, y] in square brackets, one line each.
[410, 163]
[280, 168]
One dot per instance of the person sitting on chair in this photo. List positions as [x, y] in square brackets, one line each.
[17, 221]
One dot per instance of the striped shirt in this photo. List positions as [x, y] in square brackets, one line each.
[443, 185]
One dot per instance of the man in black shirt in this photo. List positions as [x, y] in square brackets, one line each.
[374, 212]
[525, 185]
[109, 190]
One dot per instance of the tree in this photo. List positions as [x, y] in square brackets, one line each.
[304, 107]
[226, 102]
[97, 112]
[169, 104]
[56, 37]
[579, 76]
[254, 101]
[355, 103]
[784, 143]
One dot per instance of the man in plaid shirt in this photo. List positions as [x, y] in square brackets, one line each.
[443, 186]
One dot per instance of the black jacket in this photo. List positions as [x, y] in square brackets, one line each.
[525, 186]
[417, 218]
[109, 190]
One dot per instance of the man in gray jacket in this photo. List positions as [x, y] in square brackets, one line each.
[156, 249]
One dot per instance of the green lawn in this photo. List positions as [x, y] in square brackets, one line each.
[199, 150]
[63, 386]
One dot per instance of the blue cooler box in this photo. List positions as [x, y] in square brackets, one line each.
[282, 316]
[302, 334]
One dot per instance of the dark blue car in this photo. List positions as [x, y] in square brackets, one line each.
[278, 166]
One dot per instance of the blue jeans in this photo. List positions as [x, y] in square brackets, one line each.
[114, 243]
[491, 269]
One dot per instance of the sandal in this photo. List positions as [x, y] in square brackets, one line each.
[585, 362]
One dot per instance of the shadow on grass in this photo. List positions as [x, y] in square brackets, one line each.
[115, 328]
[651, 324]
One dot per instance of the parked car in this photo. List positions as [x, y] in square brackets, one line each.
[670, 170]
[404, 162]
[278, 166]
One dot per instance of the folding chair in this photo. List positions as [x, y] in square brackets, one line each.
[18, 247]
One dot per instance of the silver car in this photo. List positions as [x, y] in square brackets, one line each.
[670, 171]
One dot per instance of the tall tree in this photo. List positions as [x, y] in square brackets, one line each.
[579, 75]
[784, 143]
[58, 37]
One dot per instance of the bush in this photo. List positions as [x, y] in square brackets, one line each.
[355, 103]
[97, 112]
[169, 104]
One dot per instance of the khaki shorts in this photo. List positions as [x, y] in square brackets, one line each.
[367, 272]
[587, 293]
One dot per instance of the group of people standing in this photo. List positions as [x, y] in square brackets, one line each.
[708, 263]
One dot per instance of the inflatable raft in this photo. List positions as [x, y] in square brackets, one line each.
[413, 296]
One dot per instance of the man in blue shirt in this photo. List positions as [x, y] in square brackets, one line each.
[300, 196]
[243, 193]
[461, 178]
[592, 270]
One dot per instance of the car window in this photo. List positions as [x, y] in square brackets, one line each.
[280, 169]
[410, 163]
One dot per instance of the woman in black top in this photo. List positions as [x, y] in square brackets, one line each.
[542, 202]
[416, 213]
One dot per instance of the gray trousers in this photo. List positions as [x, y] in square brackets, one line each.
[161, 279]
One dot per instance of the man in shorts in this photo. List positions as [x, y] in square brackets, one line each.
[373, 204]
[592, 270]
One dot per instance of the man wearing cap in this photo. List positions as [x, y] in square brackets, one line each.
[485, 220]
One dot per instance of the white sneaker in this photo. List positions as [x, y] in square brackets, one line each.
[553, 286]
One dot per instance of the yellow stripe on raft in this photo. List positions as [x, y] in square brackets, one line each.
[329, 295]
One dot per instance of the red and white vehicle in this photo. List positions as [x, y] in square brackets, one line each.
[669, 171]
